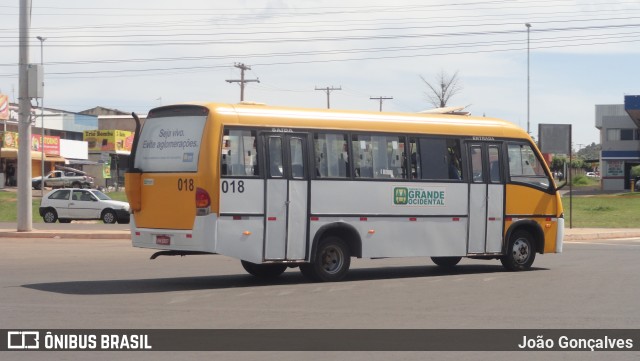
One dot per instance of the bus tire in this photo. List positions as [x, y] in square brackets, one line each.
[264, 270]
[331, 262]
[520, 252]
[446, 262]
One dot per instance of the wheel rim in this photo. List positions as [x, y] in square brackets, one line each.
[521, 251]
[332, 259]
[108, 217]
[48, 217]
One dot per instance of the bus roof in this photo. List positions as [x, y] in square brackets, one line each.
[388, 122]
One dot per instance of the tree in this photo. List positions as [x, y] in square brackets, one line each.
[590, 152]
[441, 91]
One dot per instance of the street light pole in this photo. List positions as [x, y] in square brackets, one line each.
[42, 116]
[528, 80]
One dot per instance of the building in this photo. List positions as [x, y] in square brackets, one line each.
[110, 145]
[619, 126]
[62, 144]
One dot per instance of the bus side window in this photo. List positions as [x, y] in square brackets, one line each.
[239, 153]
[331, 155]
[439, 159]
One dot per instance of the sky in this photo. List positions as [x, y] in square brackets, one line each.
[136, 55]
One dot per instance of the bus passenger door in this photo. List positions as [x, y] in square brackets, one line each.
[486, 198]
[286, 197]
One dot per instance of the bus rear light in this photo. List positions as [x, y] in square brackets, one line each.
[372, 231]
[413, 219]
[237, 218]
[203, 202]
[246, 233]
[189, 236]
[364, 219]
[456, 219]
[315, 218]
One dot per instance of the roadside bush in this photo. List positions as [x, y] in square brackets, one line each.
[580, 180]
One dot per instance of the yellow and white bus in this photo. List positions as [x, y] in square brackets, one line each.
[285, 187]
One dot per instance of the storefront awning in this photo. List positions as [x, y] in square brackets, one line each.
[53, 158]
[12, 153]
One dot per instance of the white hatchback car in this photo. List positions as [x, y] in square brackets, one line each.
[69, 204]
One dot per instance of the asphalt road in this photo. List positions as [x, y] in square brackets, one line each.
[96, 284]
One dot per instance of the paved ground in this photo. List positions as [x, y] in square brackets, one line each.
[98, 230]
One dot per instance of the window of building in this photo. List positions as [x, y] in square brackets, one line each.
[239, 153]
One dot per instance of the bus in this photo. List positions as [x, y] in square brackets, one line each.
[279, 187]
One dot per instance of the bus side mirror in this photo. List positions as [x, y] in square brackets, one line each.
[562, 185]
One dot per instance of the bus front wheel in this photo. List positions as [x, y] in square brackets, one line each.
[264, 270]
[520, 252]
[331, 261]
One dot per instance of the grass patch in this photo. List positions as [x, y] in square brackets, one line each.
[605, 211]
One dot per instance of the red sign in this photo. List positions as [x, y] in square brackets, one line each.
[51, 144]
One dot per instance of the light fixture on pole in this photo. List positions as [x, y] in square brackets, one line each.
[528, 81]
[42, 116]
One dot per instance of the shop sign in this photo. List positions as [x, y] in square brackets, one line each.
[108, 140]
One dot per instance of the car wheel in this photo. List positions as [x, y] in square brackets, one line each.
[446, 262]
[108, 216]
[520, 252]
[264, 270]
[331, 262]
[50, 215]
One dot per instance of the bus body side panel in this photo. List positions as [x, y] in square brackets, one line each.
[524, 202]
[240, 231]
[164, 206]
[396, 219]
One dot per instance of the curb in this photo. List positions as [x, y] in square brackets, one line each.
[66, 235]
[600, 235]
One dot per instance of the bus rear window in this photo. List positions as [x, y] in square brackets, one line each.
[170, 144]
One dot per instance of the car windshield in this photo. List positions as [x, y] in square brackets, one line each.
[101, 196]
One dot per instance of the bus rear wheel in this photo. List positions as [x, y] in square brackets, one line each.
[446, 261]
[520, 252]
[331, 261]
[264, 270]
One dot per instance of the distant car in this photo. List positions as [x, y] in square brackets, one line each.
[64, 178]
[70, 204]
[592, 174]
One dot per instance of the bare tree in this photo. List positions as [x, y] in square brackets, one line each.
[441, 92]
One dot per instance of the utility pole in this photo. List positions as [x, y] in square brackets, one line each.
[242, 80]
[528, 80]
[328, 90]
[25, 218]
[380, 98]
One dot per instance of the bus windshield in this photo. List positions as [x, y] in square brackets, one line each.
[170, 143]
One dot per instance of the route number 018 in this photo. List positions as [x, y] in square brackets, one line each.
[232, 186]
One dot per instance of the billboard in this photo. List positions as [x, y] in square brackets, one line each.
[116, 141]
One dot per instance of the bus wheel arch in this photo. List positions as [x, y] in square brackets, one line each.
[522, 244]
[346, 232]
[530, 226]
[332, 249]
